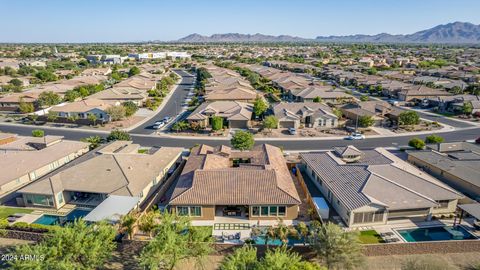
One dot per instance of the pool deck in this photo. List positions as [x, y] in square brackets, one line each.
[393, 226]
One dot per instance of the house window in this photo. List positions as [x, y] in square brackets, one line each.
[273, 211]
[60, 197]
[442, 204]
[368, 217]
[195, 211]
[255, 211]
[264, 211]
[282, 210]
[41, 200]
[182, 210]
[33, 176]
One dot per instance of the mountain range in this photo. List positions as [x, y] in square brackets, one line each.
[451, 33]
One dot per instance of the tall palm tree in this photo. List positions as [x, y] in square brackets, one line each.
[147, 222]
[282, 232]
[303, 231]
[127, 223]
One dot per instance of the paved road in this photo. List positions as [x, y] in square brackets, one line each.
[171, 108]
[310, 144]
[444, 120]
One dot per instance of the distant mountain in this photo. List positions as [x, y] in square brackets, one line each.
[235, 37]
[457, 32]
[452, 33]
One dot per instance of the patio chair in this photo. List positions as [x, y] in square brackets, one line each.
[383, 235]
[394, 239]
[389, 234]
[237, 236]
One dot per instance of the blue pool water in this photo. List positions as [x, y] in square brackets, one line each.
[260, 240]
[53, 220]
[435, 234]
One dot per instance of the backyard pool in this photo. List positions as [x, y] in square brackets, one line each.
[435, 234]
[54, 220]
[260, 240]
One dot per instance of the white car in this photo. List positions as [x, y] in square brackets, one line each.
[159, 125]
[355, 136]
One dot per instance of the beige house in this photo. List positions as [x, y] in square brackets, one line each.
[244, 185]
[116, 169]
[25, 159]
[308, 114]
[235, 114]
[83, 108]
[373, 186]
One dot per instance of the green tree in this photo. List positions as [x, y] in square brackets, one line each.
[128, 223]
[73, 118]
[94, 141]
[217, 123]
[52, 116]
[427, 262]
[71, 95]
[317, 99]
[180, 126]
[456, 90]
[175, 241]
[46, 76]
[303, 231]
[259, 106]
[336, 248]
[364, 98]
[147, 222]
[130, 108]
[133, 71]
[366, 121]
[75, 246]
[49, 98]
[467, 108]
[433, 139]
[408, 118]
[16, 82]
[242, 140]
[118, 135]
[270, 122]
[417, 143]
[38, 133]
[116, 112]
[83, 91]
[25, 107]
[244, 258]
[338, 113]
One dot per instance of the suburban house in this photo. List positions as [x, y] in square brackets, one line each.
[253, 185]
[227, 84]
[326, 93]
[115, 169]
[235, 114]
[420, 92]
[26, 159]
[308, 114]
[119, 94]
[376, 109]
[454, 104]
[457, 164]
[81, 110]
[371, 187]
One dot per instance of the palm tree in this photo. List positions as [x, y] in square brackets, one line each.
[270, 234]
[127, 223]
[147, 222]
[282, 232]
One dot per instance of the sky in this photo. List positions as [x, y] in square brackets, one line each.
[166, 20]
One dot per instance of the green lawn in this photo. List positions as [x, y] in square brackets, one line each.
[370, 237]
[7, 211]
[142, 151]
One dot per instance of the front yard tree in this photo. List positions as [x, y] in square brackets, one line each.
[38, 133]
[242, 140]
[75, 246]
[176, 241]
[94, 141]
[25, 107]
[116, 112]
[270, 122]
[92, 118]
[364, 98]
[217, 123]
[366, 121]
[317, 99]
[416, 143]
[467, 108]
[130, 108]
[118, 135]
[133, 71]
[52, 116]
[259, 106]
[434, 139]
[409, 118]
[336, 248]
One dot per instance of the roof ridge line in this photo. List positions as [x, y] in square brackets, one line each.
[124, 175]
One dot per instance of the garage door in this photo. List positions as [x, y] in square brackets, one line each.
[238, 124]
[286, 124]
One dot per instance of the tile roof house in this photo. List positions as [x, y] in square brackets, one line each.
[116, 169]
[83, 108]
[251, 185]
[235, 114]
[25, 159]
[372, 186]
[309, 114]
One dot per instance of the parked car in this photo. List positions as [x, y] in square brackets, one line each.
[292, 131]
[159, 125]
[167, 119]
[355, 136]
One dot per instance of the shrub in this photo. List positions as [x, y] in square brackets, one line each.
[242, 140]
[366, 121]
[434, 139]
[130, 108]
[217, 123]
[38, 133]
[118, 135]
[416, 143]
[409, 118]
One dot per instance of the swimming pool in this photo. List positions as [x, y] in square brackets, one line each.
[435, 234]
[55, 220]
[260, 240]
